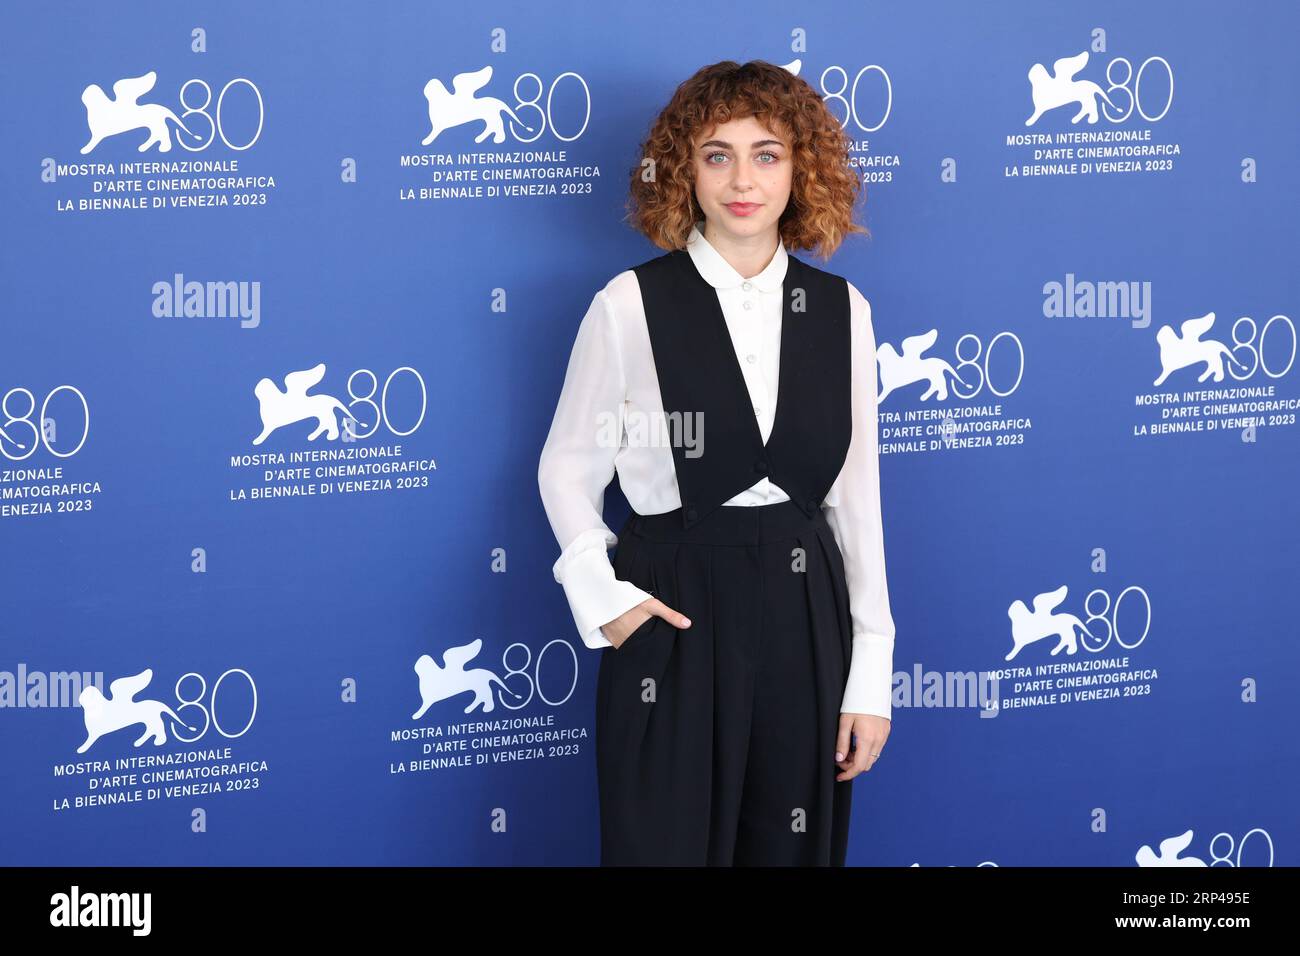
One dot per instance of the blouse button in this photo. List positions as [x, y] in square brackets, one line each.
[751, 357]
[747, 286]
[747, 304]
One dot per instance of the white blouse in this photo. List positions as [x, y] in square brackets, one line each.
[611, 388]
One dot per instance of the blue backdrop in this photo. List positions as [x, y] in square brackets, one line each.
[333, 231]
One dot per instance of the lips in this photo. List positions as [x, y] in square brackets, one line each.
[743, 208]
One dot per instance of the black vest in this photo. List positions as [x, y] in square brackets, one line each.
[698, 372]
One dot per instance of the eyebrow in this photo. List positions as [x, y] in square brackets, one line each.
[754, 145]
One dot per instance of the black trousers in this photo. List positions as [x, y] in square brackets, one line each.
[715, 744]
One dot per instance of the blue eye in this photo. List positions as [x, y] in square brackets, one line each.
[772, 158]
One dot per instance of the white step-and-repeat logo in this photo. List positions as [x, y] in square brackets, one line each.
[1204, 384]
[219, 128]
[958, 405]
[348, 462]
[1067, 653]
[39, 444]
[457, 723]
[1122, 118]
[190, 747]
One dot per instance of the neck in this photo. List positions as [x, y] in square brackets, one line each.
[748, 255]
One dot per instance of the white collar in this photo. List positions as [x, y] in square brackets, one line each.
[720, 274]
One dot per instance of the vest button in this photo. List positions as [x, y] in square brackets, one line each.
[691, 514]
[760, 466]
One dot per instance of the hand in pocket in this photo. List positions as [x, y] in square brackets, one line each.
[632, 620]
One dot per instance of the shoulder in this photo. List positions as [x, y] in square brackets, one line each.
[863, 334]
[858, 301]
[622, 293]
[859, 307]
[616, 307]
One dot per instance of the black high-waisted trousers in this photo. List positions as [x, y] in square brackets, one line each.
[715, 744]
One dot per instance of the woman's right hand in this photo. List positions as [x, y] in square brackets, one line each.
[620, 629]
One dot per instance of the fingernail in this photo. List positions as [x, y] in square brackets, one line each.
[686, 622]
[838, 755]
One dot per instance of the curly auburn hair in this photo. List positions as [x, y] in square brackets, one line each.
[824, 186]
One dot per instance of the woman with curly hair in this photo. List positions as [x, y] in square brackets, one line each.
[744, 622]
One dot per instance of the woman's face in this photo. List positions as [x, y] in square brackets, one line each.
[743, 172]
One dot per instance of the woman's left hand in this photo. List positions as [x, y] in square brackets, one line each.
[871, 732]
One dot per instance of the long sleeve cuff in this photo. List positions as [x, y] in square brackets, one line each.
[868, 690]
[595, 595]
